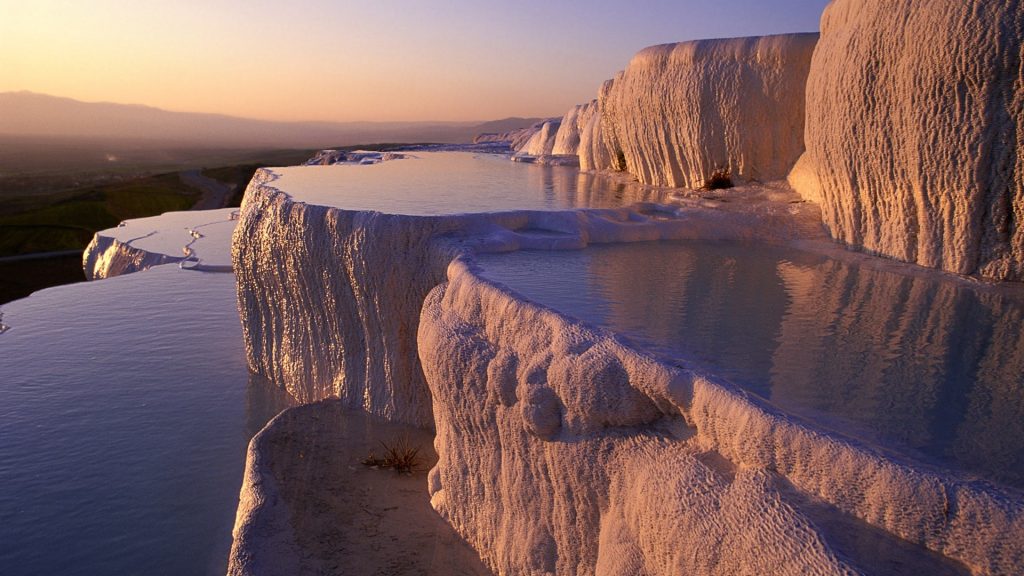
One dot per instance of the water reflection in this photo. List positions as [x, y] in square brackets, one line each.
[263, 401]
[126, 412]
[456, 182]
[933, 364]
[928, 366]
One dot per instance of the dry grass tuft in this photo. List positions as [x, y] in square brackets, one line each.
[720, 179]
[400, 455]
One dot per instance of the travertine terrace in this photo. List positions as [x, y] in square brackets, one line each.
[915, 118]
[679, 112]
[194, 239]
[562, 449]
[365, 307]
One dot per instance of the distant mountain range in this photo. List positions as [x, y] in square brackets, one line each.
[31, 114]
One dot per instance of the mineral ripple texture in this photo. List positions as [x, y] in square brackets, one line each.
[680, 112]
[915, 117]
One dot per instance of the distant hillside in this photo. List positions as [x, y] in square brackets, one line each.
[506, 125]
[30, 114]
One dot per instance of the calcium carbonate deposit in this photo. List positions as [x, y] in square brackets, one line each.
[195, 239]
[581, 455]
[679, 112]
[561, 449]
[564, 448]
[915, 113]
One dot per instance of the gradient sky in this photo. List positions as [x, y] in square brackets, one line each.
[368, 60]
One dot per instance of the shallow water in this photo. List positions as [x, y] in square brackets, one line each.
[433, 183]
[930, 367]
[127, 409]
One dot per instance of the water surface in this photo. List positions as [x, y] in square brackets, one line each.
[127, 407]
[433, 183]
[927, 366]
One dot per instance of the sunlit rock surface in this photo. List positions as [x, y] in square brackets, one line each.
[676, 462]
[593, 151]
[679, 112]
[567, 139]
[330, 298]
[547, 429]
[915, 118]
[291, 522]
[542, 143]
[197, 239]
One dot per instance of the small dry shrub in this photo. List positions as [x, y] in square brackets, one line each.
[400, 455]
[720, 179]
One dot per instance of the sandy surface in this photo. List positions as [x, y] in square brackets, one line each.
[351, 519]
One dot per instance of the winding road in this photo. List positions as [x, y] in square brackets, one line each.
[215, 193]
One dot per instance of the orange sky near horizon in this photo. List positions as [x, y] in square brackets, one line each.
[348, 61]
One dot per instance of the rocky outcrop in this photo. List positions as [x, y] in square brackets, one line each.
[593, 152]
[915, 119]
[106, 256]
[542, 143]
[680, 112]
[329, 298]
[333, 157]
[567, 139]
[675, 461]
[291, 522]
[370, 308]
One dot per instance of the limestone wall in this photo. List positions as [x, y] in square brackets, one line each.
[567, 139]
[592, 152]
[330, 298]
[106, 256]
[542, 142]
[563, 451]
[679, 112]
[915, 118]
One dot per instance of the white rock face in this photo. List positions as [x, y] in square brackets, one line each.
[915, 124]
[593, 152]
[542, 143]
[329, 298]
[567, 139]
[561, 449]
[311, 281]
[198, 239]
[332, 157]
[288, 524]
[675, 462]
[323, 317]
[681, 111]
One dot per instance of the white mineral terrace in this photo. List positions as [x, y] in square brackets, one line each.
[561, 449]
[195, 239]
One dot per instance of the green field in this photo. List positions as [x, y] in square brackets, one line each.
[68, 221]
[32, 220]
[48, 206]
